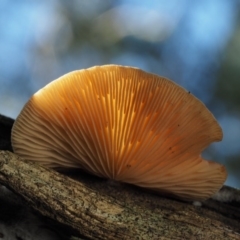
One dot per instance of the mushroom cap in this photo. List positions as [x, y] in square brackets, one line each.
[124, 124]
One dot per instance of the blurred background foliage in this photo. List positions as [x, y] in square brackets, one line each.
[194, 43]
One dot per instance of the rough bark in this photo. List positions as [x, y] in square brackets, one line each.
[98, 209]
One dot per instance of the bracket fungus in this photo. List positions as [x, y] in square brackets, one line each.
[124, 124]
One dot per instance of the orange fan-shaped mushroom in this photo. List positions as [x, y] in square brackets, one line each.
[124, 124]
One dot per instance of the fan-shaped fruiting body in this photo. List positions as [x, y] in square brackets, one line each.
[124, 124]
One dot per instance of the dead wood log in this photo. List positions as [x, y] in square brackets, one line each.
[99, 210]
[91, 206]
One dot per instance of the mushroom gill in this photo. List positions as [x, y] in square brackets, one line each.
[124, 124]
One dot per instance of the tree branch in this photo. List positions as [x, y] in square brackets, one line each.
[99, 210]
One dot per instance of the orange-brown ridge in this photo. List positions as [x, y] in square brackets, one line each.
[124, 124]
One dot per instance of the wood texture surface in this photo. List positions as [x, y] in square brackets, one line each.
[98, 209]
